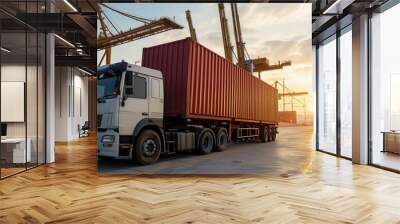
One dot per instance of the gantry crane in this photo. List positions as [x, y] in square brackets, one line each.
[237, 30]
[258, 65]
[286, 92]
[191, 28]
[108, 39]
[262, 64]
[228, 48]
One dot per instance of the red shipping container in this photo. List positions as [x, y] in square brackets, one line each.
[199, 83]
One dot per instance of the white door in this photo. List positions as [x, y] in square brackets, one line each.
[136, 103]
[156, 98]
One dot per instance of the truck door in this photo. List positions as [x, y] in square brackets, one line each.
[135, 106]
[156, 100]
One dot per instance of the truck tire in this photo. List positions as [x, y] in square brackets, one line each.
[265, 135]
[221, 139]
[205, 141]
[148, 147]
[273, 134]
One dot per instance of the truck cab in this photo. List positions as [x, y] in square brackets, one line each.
[130, 99]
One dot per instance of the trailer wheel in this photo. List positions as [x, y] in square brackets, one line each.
[221, 139]
[205, 142]
[267, 134]
[148, 147]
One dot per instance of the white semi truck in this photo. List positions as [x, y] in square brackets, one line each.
[131, 122]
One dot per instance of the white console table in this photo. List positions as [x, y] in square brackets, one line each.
[19, 155]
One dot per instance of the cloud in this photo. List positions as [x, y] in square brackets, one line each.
[278, 14]
[296, 49]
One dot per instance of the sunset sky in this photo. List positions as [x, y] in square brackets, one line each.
[276, 31]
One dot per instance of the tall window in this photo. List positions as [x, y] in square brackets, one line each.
[346, 93]
[327, 96]
[385, 84]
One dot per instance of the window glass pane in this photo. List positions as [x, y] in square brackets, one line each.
[128, 78]
[129, 91]
[327, 96]
[23, 86]
[32, 98]
[41, 98]
[385, 84]
[394, 102]
[14, 153]
[346, 94]
[139, 87]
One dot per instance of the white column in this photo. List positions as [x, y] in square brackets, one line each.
[50, 92]
[360, 90]
[50, 104]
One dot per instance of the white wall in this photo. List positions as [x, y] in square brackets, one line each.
[61, 103]
[69, 112]
[16, 73]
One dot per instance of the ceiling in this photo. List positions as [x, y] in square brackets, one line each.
[331, 15]
[74, 22]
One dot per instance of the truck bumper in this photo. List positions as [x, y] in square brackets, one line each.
[107, 148]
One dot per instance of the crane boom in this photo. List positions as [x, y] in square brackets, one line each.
[107, 39]
[225, 33]
[238, 36]
[256, 65]
[260, 67]
[149, 29]
[105, 32]
[191, 28]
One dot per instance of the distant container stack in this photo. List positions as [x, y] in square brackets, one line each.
[199, 83]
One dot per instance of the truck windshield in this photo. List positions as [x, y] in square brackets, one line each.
[108, 84]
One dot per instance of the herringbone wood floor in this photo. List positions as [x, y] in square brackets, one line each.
[330, 190]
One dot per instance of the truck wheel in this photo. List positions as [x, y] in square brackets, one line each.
[221, 140]
[263, 136]
[148, 147]
[205, 142]
[267, 135]
[273, 135]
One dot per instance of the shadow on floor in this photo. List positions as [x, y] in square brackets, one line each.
[289, 155]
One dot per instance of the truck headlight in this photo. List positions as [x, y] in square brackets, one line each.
[108, 139]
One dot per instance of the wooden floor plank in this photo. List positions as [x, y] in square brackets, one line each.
[330, 190]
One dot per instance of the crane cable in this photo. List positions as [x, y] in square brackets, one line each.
[143, 20]
[112, 24]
